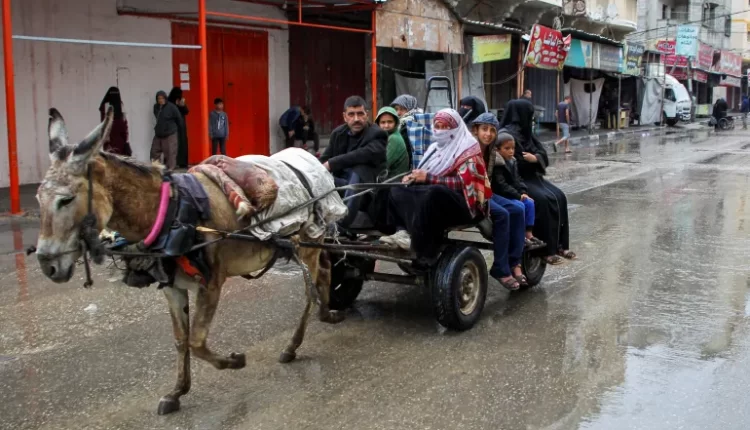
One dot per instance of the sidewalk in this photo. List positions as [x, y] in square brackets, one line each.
[549, 137]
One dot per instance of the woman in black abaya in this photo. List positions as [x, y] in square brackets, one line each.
[551, 224]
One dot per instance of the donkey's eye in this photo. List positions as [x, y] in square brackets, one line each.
[65, 202]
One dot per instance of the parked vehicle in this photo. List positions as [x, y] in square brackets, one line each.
[677, 101]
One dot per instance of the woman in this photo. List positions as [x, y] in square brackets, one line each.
[118, 137]
[551, 224]
[453, 190]
[175, 96]
[406, 107]
[471, 108]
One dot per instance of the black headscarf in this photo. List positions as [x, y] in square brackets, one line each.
[174, 95]
[477, 108]
[112, 97]
[518, 121]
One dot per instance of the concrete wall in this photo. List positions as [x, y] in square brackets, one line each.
[74, 78]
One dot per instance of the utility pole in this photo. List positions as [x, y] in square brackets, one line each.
[664, 78]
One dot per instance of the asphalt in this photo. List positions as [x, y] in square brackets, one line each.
[648, 329]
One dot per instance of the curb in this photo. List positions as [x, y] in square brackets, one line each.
[607, 136]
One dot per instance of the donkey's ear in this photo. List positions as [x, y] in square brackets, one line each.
[91, 144]
[58, 135]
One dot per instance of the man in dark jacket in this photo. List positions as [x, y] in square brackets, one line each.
[356, 153]
[168, 123]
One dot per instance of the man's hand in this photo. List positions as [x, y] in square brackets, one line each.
[525, 197]
[291, 134]
[531, 158]
[327, 166]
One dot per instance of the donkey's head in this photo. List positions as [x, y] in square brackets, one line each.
[64, 196]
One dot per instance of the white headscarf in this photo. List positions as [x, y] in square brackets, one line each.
[447, 145]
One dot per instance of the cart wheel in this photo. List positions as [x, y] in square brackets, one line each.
[345, 284]
[533, 265]
[459, 287]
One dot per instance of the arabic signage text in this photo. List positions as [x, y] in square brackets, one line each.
[607, 58]
[731, 81]
[705, 56]
[674, 60]
[700, 76]
[687, 41]
[665, 46]
[491, 48]
[729, 64]
[547, 48]
[633, 55]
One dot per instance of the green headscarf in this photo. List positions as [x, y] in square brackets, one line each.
[392, 111]
[396, 155]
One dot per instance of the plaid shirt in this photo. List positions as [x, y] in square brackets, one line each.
[419, 131]
[453, 181]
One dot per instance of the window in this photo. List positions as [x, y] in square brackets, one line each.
[665, 11]
[669, 95]
[728, 26]
[708, 14]
[748, 36]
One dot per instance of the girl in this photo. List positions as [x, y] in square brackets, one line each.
[118, 142]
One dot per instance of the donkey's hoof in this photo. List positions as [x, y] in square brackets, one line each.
[333, 317]
[167, 405]
[236, 361]
[287, 357]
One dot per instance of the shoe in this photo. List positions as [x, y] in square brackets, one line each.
[399, 240]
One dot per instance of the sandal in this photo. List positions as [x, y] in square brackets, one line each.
[510, 284]
[522, 281]
[554, 260]
[566, 253]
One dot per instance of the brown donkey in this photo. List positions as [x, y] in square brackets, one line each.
[124, 197]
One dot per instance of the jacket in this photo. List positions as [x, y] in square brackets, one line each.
[168, 118]
[745, 108]
[397, 159]
[506, 182]
[366, 156]
[218, 125]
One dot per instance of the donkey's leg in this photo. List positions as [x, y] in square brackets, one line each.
[323, 285]
[290, 352]
[179, 310]
[205, 308]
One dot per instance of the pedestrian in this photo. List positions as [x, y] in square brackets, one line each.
[551, 205]
[563, 121]
[719, 112]
[218, 128]
[176, 98]
[745, 108]
[471, 108]
[397, 160]
[168, 123]
[118, 142]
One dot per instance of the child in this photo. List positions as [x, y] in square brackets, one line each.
[218, 127]
[507, 183]
[397, 159]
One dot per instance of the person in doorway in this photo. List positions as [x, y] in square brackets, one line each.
[356, 153]
[168, 123]
[298, 125]
[551, 204]
[397, 160]
[507, 215]
[563, 121]
[452, 189]
[287, 122]
[218, 128]
[118, 142]
[745, 109]
[527, 94]
[176, 98]
[471, 108]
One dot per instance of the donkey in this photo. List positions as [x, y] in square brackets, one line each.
[123, 195]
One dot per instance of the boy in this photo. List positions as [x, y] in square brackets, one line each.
[563, 119]
[506, 181]
[397, 159]
[218, 127]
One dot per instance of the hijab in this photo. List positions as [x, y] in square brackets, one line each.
[409, 103]
[175, 95]
[449, 147]
[518, 121]
[112, 98]
[477, 108]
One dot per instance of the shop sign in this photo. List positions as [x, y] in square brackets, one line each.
[633, 55]
[679, 74]
[607, 58]
[705, 56]
[665, 46]
[686, 43]
[580, 54]
[731, 81]
[491, 48]
[700, 76]
[674, 60]
[547, 48]
[729, 64]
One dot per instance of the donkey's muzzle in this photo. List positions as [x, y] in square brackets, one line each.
[54, 270]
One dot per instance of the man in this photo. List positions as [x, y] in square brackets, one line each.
[168, 123]
[745, 108]
[298, 125]
[563, 120]
[527, 94]
[356, 153]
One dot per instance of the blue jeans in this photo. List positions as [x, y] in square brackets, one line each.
[509, 234]
[529, 210]
[348, 177]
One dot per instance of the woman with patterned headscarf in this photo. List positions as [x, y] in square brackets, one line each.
[452, 189]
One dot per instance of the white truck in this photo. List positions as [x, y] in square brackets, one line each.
[677, 101]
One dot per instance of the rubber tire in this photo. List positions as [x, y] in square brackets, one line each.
[444, 284]
[672, 121]
[533, 266]
[348, 290]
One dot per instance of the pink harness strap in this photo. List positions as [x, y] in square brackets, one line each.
[159, 223]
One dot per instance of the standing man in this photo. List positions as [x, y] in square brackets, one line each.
[168, 123]
[563, 119]
[745, 108]
[356, 153]
[527, 94]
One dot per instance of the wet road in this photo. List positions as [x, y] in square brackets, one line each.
[647, 330]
